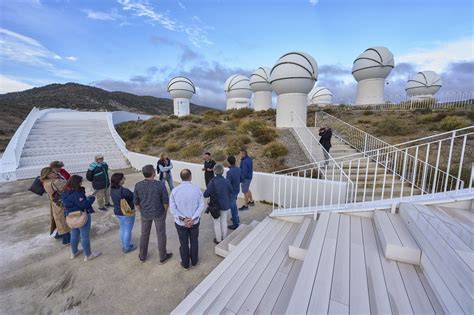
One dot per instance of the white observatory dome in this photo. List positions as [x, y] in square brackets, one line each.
[260, 80]
[294, 72]
[238, 86]
[320, 96]
[181, 87]
[374, 62]
[424, 83]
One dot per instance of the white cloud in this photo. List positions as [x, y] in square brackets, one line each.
[313, 2]
[439, 57]
[8, 85]
[113, 15]
[71, 58]
[181, 5]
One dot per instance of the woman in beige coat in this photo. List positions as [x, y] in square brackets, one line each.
[53, 185]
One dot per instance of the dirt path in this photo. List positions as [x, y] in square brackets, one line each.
[37, 275]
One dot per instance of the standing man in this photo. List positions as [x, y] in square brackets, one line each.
[151, 199]
[246, 170]
[208, 167]
[233, 176]
[98, 174]
[186, 205]
[326, 134]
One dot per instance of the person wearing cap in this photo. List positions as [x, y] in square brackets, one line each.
[58, 167]
[98, 174]
[54, 185]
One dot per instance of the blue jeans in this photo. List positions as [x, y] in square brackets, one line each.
[233, 209]
[169, 179]
[66, 238]
[83, 234]
[126, 226]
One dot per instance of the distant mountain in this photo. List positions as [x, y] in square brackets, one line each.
[14, 107]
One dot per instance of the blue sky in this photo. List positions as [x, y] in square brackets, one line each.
[137, 46]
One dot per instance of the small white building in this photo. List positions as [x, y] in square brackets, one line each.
[238, 91]
[292, 78]
[181, 90]
[320, 96]
[370, 70]
[260, 83]
[423, 85]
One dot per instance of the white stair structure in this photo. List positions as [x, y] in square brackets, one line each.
[234, 238]
[69, 136]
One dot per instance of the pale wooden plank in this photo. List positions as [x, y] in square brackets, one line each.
[358, 288]
[378, 295]
[301, 295]
[319, 302]
[186, 304]
[236, 240]
[419, 300]
[340, 282]
[402, 232]
[222, 249]
[283, 299]
[429, 291]
[295, 251]
[399, 301]
[464, 234]
[221, 291]
[337, 308]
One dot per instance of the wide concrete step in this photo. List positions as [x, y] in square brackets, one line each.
[69, 150]
[244, 232]
[69, 158]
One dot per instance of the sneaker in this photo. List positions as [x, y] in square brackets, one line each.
[185, 268]
[243, 208]
[168, 256]
[194, 265]
[103, 209]
[92, 256]
[252, 203]
[76, 254]
[141, 260]
[109, 205]
[132, 248]
[233, 226]
[215, 241]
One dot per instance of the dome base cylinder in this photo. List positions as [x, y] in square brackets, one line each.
[238, 103]
[291, 103]
[370, 91]
[262, 100]
[181, 107]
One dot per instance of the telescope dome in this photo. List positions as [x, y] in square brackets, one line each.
[238, 86]
[373, 63]
[260, 80]
[320, 95]
[181, 87]
[424, 83]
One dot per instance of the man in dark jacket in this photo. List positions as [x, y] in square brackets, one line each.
[208, 168]
[326, 134]
[233, 176]
[246, 174]
[98, 174]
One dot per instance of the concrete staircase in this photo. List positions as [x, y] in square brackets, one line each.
[72, 137]
[234, 238]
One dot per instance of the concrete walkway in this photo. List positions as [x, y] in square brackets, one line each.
[38, 276]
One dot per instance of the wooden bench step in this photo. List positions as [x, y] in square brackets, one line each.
[295, 250]
[243, 233]
[397, 242]
[222, 249]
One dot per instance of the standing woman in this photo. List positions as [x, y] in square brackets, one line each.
[54, 185]
[127, 219]
[164, 167]
[74, 200]
[219, 190]
[58, 167]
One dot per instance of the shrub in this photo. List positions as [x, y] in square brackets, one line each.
[158, 129]
[219, 156]
[433, 117]
[422, 111]
[173, 117]
[250, 126]
[454, 122]
[239, 140]
[232, 149]
[275, 149]
[191, 150]
[392, 127]
[368, 112]
[363, 121]
[329, 110]
[213, 133]
[172, 146]
[242, 112]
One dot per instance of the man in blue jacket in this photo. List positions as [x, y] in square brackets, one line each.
[246, 169]
[233, 175]
[98, 174]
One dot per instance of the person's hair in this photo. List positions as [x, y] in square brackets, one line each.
[148, 171]
[185, 174]
[162, 156]
[231, 160]
[45, 172]
[207, 153]
[56, 164]
[74, 183]
[243, 149]
[116, 179]
[218, 169]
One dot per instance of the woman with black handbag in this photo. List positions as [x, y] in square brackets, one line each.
[219, 190]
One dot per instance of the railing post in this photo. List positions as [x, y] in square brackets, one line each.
[365, 143]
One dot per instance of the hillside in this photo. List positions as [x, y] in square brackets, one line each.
[14, 107]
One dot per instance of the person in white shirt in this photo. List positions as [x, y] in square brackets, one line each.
[186, 206]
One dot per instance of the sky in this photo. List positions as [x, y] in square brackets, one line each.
[137, 46]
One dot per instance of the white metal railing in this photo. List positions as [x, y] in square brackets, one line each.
[424, 167]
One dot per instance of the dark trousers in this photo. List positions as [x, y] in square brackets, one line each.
[189, 246]
[160, 226]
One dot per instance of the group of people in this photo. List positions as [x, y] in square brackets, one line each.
[71, 208]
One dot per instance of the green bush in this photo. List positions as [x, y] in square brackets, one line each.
[329, 110]
[433, 117]
[275, 149]
[392, 127]
[368, 112]
[422, 110]
[454, 122]
[241, 113]
[172, 146]
[191, 150]
[239, 140]
[232, 149]
[219, 156]
[363, 121]
[213, 133]
[251, 126]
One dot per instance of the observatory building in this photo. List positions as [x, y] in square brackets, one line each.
[370, 70]
[320, 96]
[292, 78]
[181, 90]
[238, 91]
[423, 85]
[260, 83]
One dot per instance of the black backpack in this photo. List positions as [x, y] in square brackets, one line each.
[37, 187]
